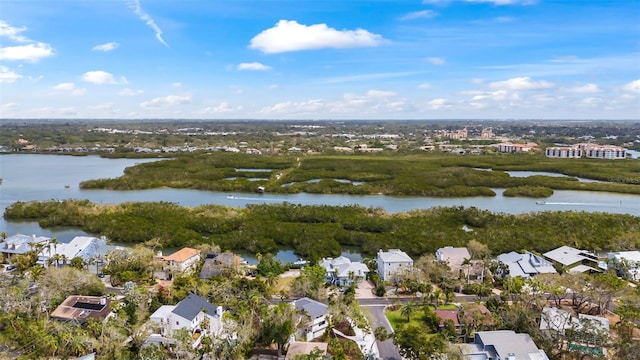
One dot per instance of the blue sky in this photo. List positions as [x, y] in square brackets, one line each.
[320, 59]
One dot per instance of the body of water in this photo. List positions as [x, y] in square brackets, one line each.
[44, 177]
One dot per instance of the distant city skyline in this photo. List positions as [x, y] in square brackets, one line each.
[320, 59]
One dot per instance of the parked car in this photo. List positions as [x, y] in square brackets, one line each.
[10, 267]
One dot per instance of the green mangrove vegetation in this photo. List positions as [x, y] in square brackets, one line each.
[528, 191]
[317, 231]
[417, 174]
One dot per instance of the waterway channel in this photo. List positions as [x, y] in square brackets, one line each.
[43, 177]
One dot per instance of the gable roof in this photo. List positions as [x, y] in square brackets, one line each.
[394, 255]
[526, 264]
[448, 315]
[191, 306]
[315, 309]
[453, 255]
[505, 342]
[344, 267]
[566, 255]
[182, 255]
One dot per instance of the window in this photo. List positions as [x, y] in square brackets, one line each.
[177, 322]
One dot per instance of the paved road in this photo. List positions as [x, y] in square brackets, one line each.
[386, 349]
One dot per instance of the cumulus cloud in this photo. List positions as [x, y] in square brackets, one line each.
[289, 35]
[135, 6]
[438, 104]
[71, 88]
[585, 89]
[423, 14]
[102, 77]
[169, 100]
[32, 51]
[110, 46]
[436, 60]
[223, 107]
[520, 83]
[253, 66]
[130, 92]
[7, 75]
[633, 86]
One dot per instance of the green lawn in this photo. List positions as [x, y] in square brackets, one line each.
[395, 318]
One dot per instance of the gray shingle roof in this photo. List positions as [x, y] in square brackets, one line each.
[190, 306]
[314, 308]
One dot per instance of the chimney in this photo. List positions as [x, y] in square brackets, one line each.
[103, 301]
[219, 311]
[511, 356]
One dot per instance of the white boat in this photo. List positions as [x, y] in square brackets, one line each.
[540, 202]
[230, 197]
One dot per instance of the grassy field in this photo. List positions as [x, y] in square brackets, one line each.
[396, 318]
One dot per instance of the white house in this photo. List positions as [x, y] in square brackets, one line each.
[20, 244]
[83, 247]
[189, 314]
[393, 262]
[342, 271]
[626, 263]
[317, 313]
[183, 260]
[574, 260]
[560, 320]
[525, 265]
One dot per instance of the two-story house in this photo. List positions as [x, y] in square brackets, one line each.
[393, 262]
[316, 323]
[189, 314]
[566, 258]
[185, 260]
[342, 271]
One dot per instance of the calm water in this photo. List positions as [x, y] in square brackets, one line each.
[43, 177]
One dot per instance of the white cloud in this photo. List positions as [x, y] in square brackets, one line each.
[7, 75]
[107, 107]
[223, 107]
[102, 77]
[379, 93]
[253, 66]
[520, 83]
[12, 32]
[176, 85]
[423, 14]
[633, 86]
[436, 60]
[64, 86]
[110, 46]
[591, 101]
[169, 100]
[129, 92]
[288, 36]
[437, 104]
[31, 52]
[585, 89]
[135, 6]
[272, 86]
[71, 88]
[424, 86]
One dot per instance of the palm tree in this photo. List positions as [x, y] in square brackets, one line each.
[467, 264]
[407, 310]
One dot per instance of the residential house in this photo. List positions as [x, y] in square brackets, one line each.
[80, 309]
[525, 265]
[342, 271]
[317, 314]
[84, 247]
[560, 320]
[566, 258]
[626, 264]
[453, 256]
[20, 244]
[220, 264]
[502, 345]
[393, 262]
[183, 260]
[189, 314]
[448, 315]
[297, 348]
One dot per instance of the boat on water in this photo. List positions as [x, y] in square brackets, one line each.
[230, 197]
[540, 202]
